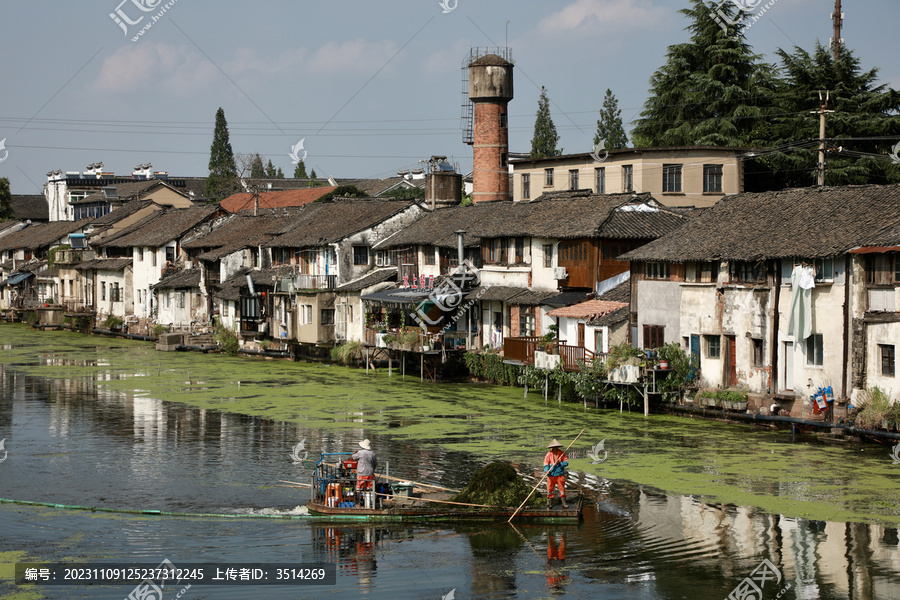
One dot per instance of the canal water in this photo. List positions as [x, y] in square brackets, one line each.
[686, 508]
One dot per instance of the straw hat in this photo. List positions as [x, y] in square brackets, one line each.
[555, 444]
[365, 445]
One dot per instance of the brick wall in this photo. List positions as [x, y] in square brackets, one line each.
[490, 177]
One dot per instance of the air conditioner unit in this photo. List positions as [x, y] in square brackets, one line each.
[559, 273]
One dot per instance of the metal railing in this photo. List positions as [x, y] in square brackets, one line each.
[315, 282]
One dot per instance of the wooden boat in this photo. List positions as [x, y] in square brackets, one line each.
[334, 494]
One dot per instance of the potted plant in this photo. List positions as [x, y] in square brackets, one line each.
[408, 339]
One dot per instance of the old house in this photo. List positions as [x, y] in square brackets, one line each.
[330, 245]
[153, 244]
[780, 293]
[249, 201]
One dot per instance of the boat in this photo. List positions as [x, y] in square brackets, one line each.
[334, 494]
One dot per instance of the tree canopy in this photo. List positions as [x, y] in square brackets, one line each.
[300, 171]
[6, 210]
[343, 191]
[222, 180]
[609, 125]
[545, 136]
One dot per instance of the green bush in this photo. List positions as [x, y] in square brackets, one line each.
[113, 322]
[226, 339]
[347, 352]
[159, 330]
[874, 409]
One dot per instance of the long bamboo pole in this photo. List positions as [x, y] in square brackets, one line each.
[542, 479]
[418, 483]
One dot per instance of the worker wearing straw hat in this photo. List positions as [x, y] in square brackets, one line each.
[365, 469]
[555, 463]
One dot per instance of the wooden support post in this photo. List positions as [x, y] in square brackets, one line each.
[367, 360]
[403, 365]
[422, 367]
[646, 401]
[390, 364]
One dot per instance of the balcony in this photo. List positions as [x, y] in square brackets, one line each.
[315, 282]
[522, 349]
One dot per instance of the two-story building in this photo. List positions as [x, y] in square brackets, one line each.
[779, 293]
[675, 176]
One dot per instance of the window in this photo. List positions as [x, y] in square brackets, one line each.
[526, 186]
[712, 178]
[654, 336]
[888, 359]
[429, 252]
[181, 299]
[824, 269]
[657, 270]
[496, 250]
[548, 255]
[503, 120]
[573, 251]
[152, 257]
[226, 307]
[360, 255]
[814, 349]
[103, 291]
[600, 180]
[526, 321]
[748, 272]
[350, 313]
[573, 179]
[758, 360]
[548, 177]
[705, 272]
[671, 178]
[714, 346]
[520, 250]
[327, 316]
[169, 300]
[170, 254]
[627, 178]
[282, 256]
[140, 254]
[249, 308]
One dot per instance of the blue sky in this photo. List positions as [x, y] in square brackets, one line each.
[372, 86]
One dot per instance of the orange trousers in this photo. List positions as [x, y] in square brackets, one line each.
[554, 482]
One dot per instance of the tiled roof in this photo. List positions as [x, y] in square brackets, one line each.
[368, 280]
[184, 278]
[104, 264]
[39, 235]
[378, 187]
[610, 318]
[620, 293]
[242, 231]
[793, 223]
[121, 212]
[566, 298]
[161, 227]
[31, 206]
[587, 309]
[230, 289]
[555, 215]
[328, 222]
[299, 197]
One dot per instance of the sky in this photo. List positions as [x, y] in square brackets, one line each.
[370, 87]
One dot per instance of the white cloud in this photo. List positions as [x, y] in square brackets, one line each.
[608, 15]
[164, 68]
[353, 55]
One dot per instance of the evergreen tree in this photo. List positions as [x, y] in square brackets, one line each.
[300, 171]
[6, 211]
[222, 179]
[862, 108]
[609, 126]
[545, 137]
[712, 90]
[279, 174]
[257, 171]
[313, 175]
[271, 173]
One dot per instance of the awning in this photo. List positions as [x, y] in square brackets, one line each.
[397, 296]
[16, 279]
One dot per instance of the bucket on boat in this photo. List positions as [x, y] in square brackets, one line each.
[332, 494]
[404, 488]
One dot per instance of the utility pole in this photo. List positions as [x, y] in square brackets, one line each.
[837, 17]
[823, 110]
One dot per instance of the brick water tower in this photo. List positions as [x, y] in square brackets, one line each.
[490, 88]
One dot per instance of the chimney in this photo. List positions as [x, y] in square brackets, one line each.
[490, 90]
[460, 247]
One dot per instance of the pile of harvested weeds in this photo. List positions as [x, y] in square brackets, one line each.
[497, 484]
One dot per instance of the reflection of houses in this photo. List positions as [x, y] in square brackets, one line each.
[689, 176]
[780, 293]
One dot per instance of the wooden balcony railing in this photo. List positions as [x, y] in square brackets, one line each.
[523, 348]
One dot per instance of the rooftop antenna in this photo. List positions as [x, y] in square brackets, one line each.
[837, 17]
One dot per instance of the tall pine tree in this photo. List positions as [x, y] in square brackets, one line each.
[300, 171]
[257, 170]
[712, 90]
[862, 109]
[609, 125]
[6, 210]
[222, 180]
[545, 137]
